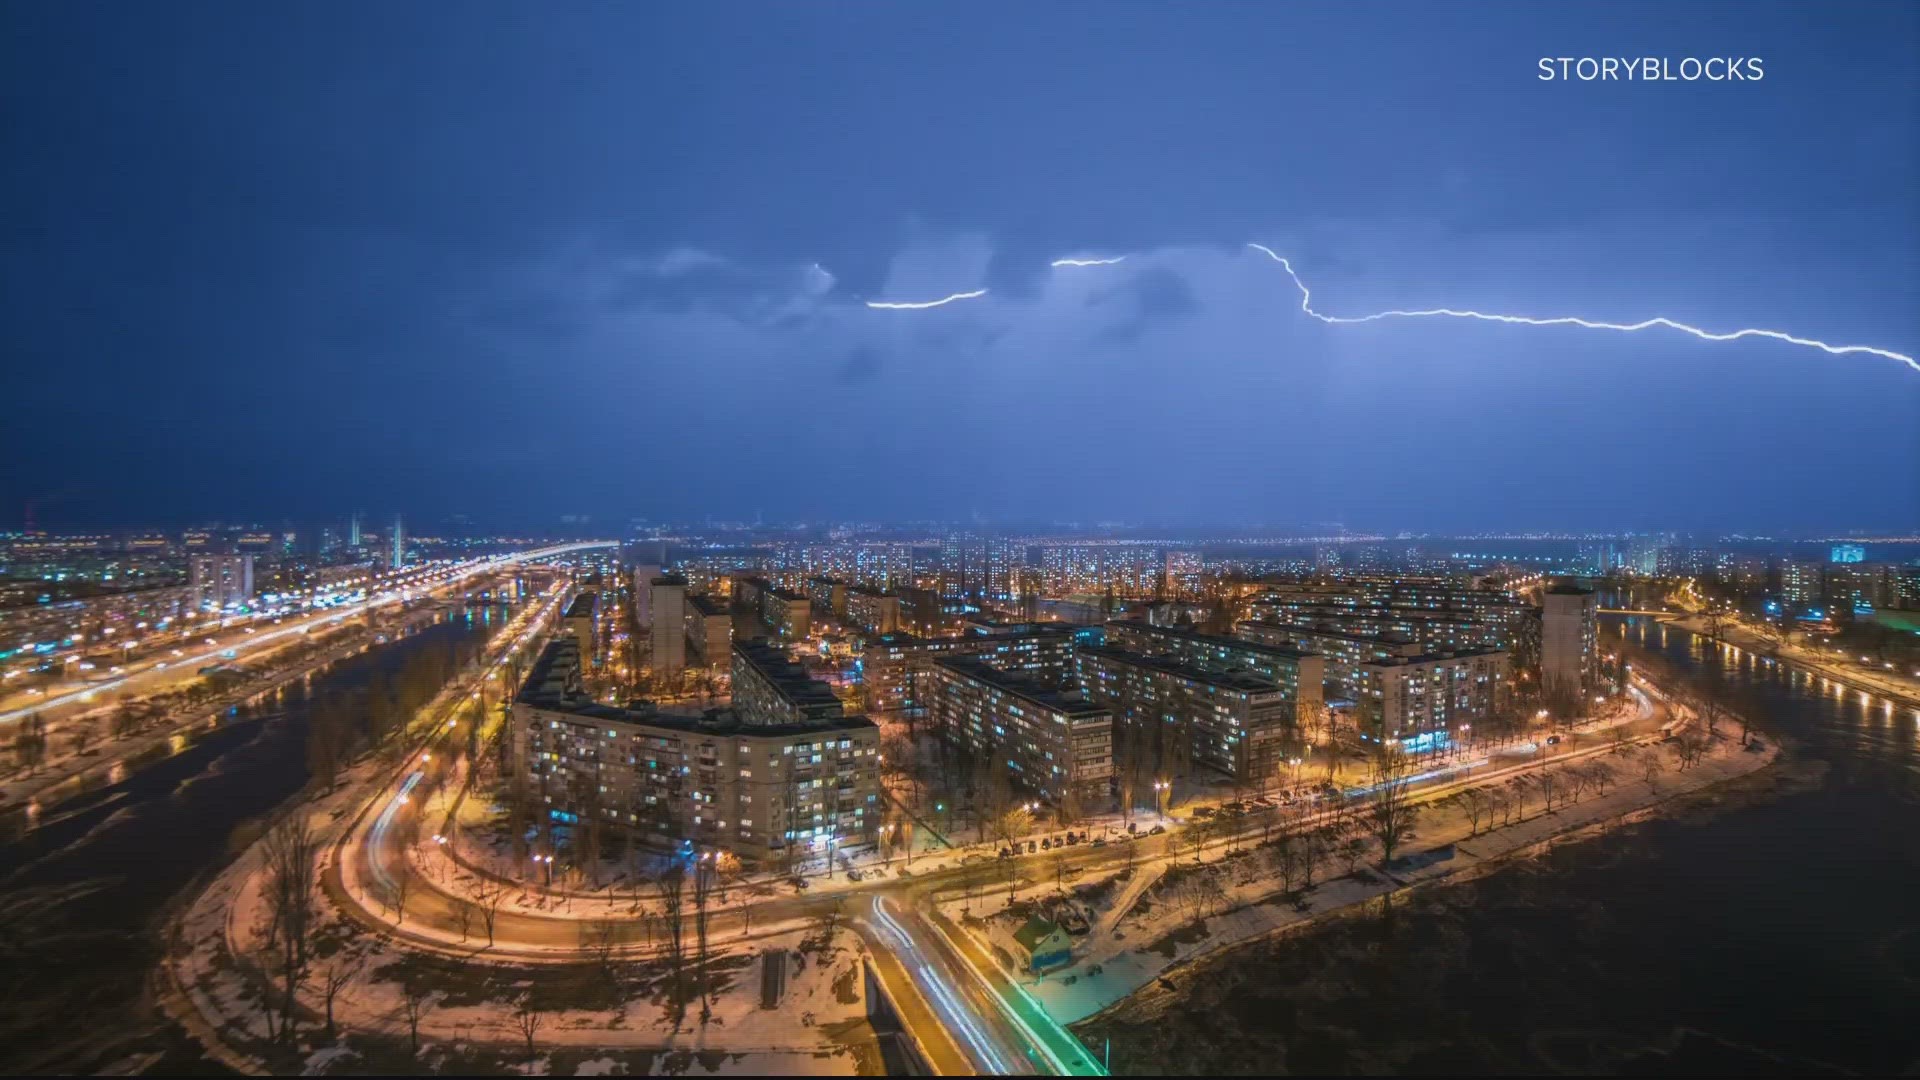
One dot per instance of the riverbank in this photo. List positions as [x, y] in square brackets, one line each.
[1902, 690]
[1627, 949]
[1149, 929]
[73, 772]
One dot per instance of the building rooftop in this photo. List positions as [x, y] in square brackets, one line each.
[1239, 681]
[552, 685]
[1280, 652]
[582, 606]
[1070, 704]
[1427, 658]
[706, 604]
[787, 678]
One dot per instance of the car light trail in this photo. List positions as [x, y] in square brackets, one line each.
[1306, 299]
[378, 836]
[957, 1014]
[1088, 262]
[901, 305]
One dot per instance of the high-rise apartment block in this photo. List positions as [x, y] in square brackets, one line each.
[1056, 745]
[767, 791]
[669, 610]
[1569, 639]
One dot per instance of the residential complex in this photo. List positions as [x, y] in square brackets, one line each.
[766, 791]
[1299, 675]
[873, 612]
[709, 632]
[1172, 715]
[894, 666]
[1430, 700]
[1056, 745]
[220, 582]
[769, 689]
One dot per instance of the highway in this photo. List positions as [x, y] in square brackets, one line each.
[162, 671]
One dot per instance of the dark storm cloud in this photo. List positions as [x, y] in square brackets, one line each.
[284, 261]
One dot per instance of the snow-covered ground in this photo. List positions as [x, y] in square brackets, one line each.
[1155, 921]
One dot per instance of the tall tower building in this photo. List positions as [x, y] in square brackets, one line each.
[353, 530]
[669, 604]
[1569, 638]
[399, 544]
[220, 581]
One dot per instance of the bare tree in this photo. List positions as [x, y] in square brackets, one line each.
[601, 936]
[1352, 850]
[402, 885]
[489, 904]
[1391, 810]
[528, 1020]
[1650, 769]
[291, 851]
[705, 875]
[669, 884]
[416, 1001]
[334, 978]
[1475, 802]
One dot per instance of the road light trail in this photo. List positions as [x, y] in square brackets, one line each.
[1088, 262]
[1306, 306]
[377, 838]
[956, 1014]
[902, 305]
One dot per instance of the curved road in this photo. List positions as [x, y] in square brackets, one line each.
[965, 1013]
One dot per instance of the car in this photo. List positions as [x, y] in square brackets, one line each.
[854, 875]
[1099, 841]
[1553, 740]
[1204, 811]
[1156, 830]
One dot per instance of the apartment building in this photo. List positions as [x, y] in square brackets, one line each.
[709, 632]
[1170, 715]
[768, 792]
[1056, 745]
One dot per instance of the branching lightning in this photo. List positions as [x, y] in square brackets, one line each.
[1306, 299]
[901, 305]
[1306, 306]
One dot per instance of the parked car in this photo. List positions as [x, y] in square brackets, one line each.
[1156, 830]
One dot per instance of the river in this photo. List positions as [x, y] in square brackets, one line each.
[1768, 928]
[80, 896]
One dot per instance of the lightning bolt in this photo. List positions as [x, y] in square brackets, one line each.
[1306, 299]
[901, 305]
[1088, 262]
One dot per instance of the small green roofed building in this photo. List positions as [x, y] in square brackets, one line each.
[1042, 945]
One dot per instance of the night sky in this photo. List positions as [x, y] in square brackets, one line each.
[521, 260]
